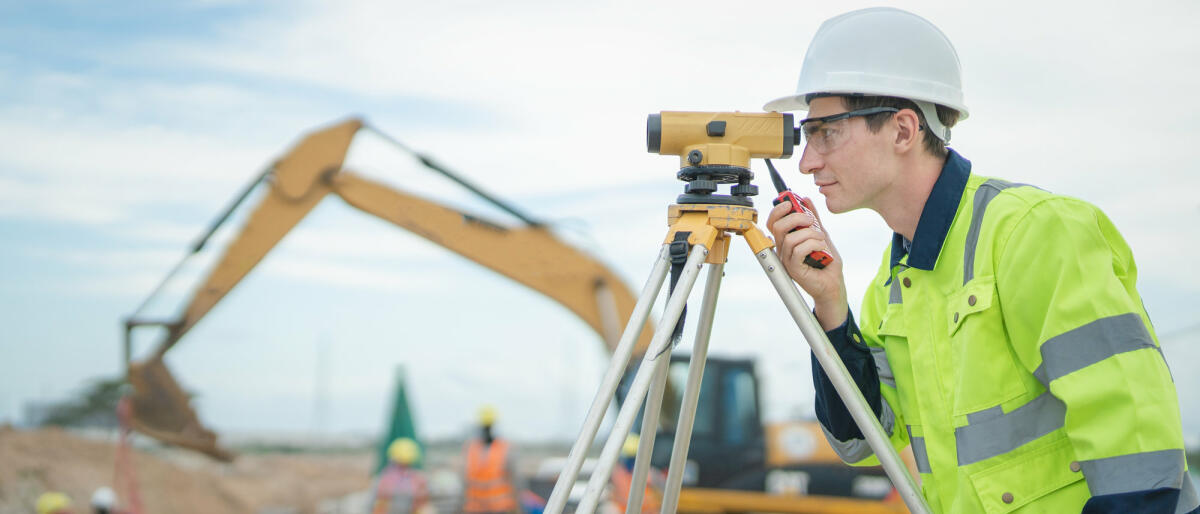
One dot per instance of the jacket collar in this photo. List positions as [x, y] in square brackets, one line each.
[936, 217]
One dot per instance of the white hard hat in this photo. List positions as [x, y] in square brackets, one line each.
[881, 51]
[104, 498]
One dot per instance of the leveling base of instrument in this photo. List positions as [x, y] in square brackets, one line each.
[703, 231]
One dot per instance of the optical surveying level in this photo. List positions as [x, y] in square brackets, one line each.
[723, 138]
[714, 148]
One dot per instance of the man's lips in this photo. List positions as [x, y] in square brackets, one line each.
[822, 185]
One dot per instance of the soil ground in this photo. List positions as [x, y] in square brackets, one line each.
[174, 481]
[284, 480]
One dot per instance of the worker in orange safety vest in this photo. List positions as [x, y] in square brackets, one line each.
[489, 482]
[622, 478]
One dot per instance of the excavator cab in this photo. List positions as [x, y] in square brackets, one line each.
[732, 449]
[728, 443]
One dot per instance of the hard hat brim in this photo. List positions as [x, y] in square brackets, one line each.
[798, 103]
[787, 103]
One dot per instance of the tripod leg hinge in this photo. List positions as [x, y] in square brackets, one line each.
[757, 240]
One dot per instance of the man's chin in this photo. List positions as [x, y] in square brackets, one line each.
[836, 208]
[833, 206]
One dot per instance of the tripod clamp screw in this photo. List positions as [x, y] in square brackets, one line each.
[744, 190]
[700, 186]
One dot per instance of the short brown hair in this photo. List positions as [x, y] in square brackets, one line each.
[933, 144]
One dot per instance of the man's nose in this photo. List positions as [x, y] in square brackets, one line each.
[810, 161]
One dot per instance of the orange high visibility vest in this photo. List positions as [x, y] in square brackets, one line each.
[622, 483]
[488, 486]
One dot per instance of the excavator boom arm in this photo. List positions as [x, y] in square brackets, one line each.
[298, 181]
[530, 255]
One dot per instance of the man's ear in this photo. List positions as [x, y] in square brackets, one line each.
[908, 129]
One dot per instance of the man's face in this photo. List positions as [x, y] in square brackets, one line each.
[851, 174]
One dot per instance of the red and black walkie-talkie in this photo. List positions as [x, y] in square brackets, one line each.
[820, 258]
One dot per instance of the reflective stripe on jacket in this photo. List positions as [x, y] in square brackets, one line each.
[1022, 366]
[489, 488]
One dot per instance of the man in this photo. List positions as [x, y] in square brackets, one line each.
[622, 480]
[1003, 336]
[489, 487]
[104, 500]
[401, 488]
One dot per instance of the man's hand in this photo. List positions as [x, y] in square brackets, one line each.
[826, 286]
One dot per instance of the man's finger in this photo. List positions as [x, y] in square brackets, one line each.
[777, 212]
[808, 246]
[804, 234]
[792, 222]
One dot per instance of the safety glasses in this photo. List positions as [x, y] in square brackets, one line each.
[826, 133]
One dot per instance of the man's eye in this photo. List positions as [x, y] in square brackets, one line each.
[827, 132]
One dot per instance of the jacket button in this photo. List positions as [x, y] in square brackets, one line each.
[907, 282]
[956, 317]
[1075, 466]
[971, 300]
[1006, 498]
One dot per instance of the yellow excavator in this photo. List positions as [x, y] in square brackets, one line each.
[312, 170]
[782, 458]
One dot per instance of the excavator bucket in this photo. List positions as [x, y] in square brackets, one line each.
[162, 410]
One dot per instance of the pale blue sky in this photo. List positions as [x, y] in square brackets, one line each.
[126, 129]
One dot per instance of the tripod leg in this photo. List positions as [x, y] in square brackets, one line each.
[658, 349]
[691, 393]
[637, 484]
[842, 381]
[608, 385]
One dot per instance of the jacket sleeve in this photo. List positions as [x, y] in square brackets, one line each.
[840, 429]
[1066, 281]
[831, 410]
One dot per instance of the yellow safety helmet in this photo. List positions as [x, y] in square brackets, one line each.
[53, 503]
[629, 449]
[487, 415]
[404, 451]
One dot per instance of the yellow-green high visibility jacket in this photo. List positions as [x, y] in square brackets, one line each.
[1009, 346]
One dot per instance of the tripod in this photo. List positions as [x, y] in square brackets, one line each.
[702, 225]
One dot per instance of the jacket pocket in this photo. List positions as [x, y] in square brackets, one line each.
[1026, 478]
[987, 369]
[973, 299]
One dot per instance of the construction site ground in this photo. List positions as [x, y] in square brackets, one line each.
[173, 481]
[284, 481]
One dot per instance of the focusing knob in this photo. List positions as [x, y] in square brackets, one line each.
[744, 190]
[695, 157]
[700, 186]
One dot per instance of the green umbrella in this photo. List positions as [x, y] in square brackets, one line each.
[399, 424]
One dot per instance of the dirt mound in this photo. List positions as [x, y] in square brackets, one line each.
[172, 481]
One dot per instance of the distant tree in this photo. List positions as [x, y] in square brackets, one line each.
[95, 406]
